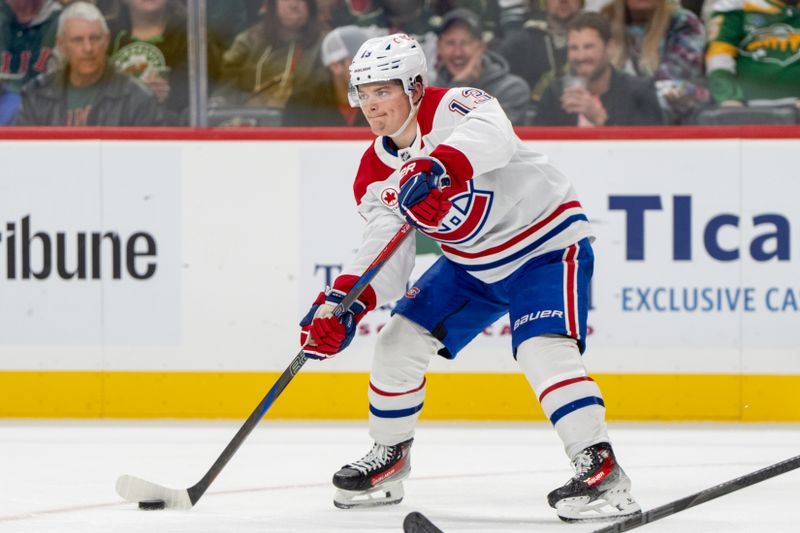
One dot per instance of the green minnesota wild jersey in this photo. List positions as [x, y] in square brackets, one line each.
[754, 50]
[137, 58]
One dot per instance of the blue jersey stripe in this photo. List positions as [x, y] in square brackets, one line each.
[388, 147]
[563, 411]
[525, 251]
[394, 413]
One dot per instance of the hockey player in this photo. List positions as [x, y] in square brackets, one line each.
[514, 240]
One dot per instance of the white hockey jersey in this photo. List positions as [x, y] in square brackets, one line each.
[509, 203]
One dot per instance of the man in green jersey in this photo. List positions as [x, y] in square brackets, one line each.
[88, 91]
[754, 52]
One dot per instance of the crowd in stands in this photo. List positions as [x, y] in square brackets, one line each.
[585, 63]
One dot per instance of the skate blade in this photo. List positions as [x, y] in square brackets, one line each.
[390, 494]
[612, 506]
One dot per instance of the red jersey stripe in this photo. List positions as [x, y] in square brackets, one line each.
[517, 238]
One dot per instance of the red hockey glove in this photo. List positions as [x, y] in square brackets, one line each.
[323, 335]
[421, 199]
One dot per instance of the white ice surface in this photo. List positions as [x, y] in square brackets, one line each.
[60, 476]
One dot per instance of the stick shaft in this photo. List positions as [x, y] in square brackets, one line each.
[197, 490]
[703, 496]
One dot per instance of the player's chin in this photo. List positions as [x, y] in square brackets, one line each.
[378, 127]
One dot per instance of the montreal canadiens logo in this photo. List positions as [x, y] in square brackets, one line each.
[466, 218]
[389, 196]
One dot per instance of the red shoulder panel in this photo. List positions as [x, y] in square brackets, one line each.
[427, 109]
[370, 170]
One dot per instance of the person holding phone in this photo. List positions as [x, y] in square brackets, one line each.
[593, 93]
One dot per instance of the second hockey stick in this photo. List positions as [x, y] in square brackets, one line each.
[134, 489]
[416, 522]
[703, 496]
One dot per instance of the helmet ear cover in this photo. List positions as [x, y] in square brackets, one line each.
[393, 57]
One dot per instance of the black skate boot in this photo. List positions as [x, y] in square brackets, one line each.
[375, 479]
[600, 490]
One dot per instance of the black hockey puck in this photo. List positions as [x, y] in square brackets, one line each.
[152, 505]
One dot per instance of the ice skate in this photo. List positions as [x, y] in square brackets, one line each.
[600, 490]
[375, 479]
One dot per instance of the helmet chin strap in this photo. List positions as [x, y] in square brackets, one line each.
[411, 115]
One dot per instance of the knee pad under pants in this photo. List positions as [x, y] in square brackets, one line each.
[569, 397]
[397, 380]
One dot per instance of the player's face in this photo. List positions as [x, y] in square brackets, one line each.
[385, 105]
[586, 54]
[84, 43]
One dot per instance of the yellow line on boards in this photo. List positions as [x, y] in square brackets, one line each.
[343, 395]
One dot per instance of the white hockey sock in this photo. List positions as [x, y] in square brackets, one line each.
[397, 380]
[569, 397]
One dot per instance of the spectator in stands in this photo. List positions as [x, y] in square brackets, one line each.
[87, 91]
[9, 103]
[464, 60]
[148, 42]
[27, 37]
[595, 93]
[270, 59]
[498, 17]
[538, 51]
[658, 39]
[754, 53]
[330, 105]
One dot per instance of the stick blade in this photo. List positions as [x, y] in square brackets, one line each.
[416, 522]
[134, 489]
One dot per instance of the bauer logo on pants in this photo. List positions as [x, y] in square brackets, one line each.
[530, 317]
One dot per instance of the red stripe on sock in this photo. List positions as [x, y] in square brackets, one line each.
[376, 390]
[560, 384]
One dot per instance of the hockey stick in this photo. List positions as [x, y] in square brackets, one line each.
[703, 496]
[134, 489]
[416, 522]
